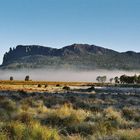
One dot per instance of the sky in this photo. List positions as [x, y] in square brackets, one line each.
[113, 24]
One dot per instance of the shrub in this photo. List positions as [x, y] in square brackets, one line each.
[39, 85]
[66, 88]
[92, 88]
[27, 78]
[11, 78]
[57, 85]
[46, 85]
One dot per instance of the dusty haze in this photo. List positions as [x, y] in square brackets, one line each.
[62, 75]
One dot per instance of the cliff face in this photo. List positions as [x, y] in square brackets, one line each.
[72, 50]
[79, 56]
[23, 51]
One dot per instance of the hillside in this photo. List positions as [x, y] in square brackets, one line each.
[76, 56]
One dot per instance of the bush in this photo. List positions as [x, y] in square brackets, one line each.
[46, 85]
[58, 85]
[39, 85]
[11, 78]
[92, 88]
[27, 78]
[66, 88]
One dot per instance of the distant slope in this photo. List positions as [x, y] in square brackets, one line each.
[76, 56]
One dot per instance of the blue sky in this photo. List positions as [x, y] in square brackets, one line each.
[113, 24]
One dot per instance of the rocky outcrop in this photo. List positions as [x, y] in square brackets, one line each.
[79, 56]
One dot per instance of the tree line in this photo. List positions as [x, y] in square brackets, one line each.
[123, 79]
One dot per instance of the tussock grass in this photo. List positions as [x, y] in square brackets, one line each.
[68, 116]
[117, 119]
[65, 116]
[131, 113]
[19, 131]
[129, 134]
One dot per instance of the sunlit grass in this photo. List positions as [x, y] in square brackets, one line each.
[68, 116]
[19, 131]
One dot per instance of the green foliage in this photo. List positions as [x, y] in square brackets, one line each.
[124, 79]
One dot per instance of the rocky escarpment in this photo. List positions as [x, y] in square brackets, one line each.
[77, 56]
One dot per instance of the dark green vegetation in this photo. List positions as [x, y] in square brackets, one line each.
[69, 116]
[123, 79]
[76, 56]
[130, 79]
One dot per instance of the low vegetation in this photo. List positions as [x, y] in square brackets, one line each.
[69, 115]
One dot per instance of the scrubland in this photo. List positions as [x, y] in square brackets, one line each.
[60, 111]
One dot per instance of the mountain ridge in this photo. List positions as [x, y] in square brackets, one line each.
[79, 56]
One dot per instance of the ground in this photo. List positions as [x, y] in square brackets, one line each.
[67, 111]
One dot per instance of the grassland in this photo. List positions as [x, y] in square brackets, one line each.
[40, 110]
[33, 86]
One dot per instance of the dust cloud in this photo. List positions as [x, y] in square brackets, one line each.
[62, 75]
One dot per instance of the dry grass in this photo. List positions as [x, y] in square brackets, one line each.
[20, 131]
[129, 134]
[32, 86]
[66, 115]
